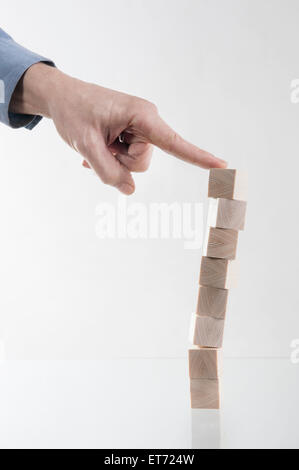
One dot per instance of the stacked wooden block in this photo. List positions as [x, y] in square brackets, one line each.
[226, 217]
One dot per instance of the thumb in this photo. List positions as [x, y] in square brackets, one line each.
[107, 167]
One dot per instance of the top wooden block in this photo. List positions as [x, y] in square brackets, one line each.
[227, 184]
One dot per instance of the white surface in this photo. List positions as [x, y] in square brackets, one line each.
[144, 403]
[220, 73]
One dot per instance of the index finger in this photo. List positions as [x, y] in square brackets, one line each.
[161, 135]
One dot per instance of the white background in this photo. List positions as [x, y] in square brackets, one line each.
[220, 73]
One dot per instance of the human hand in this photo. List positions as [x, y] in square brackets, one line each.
[114, 132]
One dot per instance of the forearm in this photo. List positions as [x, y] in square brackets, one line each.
[34, 91]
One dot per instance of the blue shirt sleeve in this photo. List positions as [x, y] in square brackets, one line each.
[14, 61]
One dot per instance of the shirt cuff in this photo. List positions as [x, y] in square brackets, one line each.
[15, 60]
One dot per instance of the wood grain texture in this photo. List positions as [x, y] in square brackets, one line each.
[228, 184]
[204, 363]
[212, 302]
[205, 393]
[227, 213]
[208, 332]
[215, 272]
[221, 243]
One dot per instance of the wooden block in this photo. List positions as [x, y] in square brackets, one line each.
[208, 332]
[204, 363]
[212, 302]
[205, 393]
[228, 184]
[227, 213]
[221, 243]
[221, 273]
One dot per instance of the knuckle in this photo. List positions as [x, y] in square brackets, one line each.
[146, 106]
[141, 161]
[152, 108]
[142, 165]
